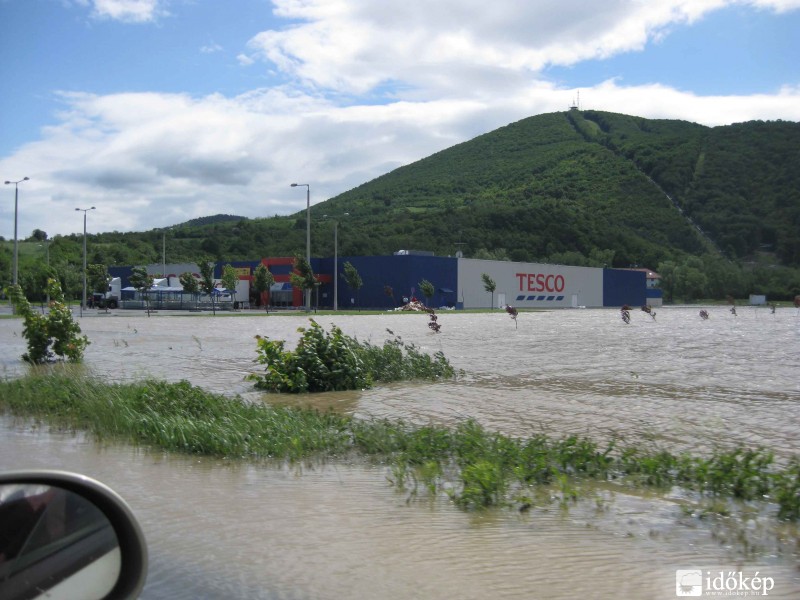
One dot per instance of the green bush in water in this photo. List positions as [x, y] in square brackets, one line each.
[49, 336]
[322, 362]
[331, 361]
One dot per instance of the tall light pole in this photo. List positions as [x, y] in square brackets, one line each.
[336, 260]
[47, 251]
[164, 253]
[84, 210]
[16, 243]
[308, 236]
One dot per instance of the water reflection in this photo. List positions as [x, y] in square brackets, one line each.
[221, 529]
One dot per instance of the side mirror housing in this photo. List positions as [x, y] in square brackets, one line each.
[68, 536]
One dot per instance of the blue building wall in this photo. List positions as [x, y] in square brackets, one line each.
[655, 293]
[124, 273]
[621, 286]
[401, 273]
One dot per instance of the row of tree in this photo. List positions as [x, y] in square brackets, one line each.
[98, 278]
[694, 278]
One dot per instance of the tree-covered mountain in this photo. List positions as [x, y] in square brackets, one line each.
[576, 187]
[739, 183]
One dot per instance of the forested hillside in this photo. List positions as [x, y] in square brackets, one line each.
[576, 187]
[740, 183]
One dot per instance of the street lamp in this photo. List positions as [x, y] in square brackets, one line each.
[336, 260]
[84, 211]
[164, 253]
[16, 204]
[308, 236]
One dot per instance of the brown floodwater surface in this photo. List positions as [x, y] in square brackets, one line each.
[224, 529]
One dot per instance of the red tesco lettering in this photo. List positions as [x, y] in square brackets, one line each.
[539, 282]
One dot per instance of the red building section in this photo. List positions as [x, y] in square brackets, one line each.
[281, 269]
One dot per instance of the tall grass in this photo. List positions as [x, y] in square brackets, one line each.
[476, 467]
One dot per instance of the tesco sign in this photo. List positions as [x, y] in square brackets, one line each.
[539, 282]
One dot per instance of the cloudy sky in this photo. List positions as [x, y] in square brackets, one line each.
[159, 111]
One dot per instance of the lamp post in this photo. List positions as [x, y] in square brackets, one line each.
[308, 236]
[336, 260]
[47, 253]
[84, 210]
[164, 254]
[16, 243]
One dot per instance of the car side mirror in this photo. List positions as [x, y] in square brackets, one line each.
[64, 535]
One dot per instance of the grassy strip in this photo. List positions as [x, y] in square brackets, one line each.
[476, 467]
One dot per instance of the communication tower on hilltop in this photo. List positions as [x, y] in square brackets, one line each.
[576, 104]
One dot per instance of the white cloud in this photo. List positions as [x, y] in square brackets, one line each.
[211, 48]
[779, 6]
[355, 46]
[437, 49]
[131, 11]
[152, 160]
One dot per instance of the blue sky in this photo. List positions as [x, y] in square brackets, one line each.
[158, 111]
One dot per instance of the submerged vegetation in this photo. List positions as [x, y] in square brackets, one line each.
[332, 361]
[50, 336]
[476, 468]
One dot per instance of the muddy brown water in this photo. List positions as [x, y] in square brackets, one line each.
[222, 529]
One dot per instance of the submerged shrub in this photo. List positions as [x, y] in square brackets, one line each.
[396, 361]
[54, 335]
[322, 362]
[484, 484]
[786, 486]
[331, 361]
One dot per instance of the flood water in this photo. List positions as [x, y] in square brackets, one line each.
[222, 529]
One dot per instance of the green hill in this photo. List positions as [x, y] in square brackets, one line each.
[576, 187]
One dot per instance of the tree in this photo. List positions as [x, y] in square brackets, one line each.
[353, 279]
[54, 334]
[38, 235]
[71, 279]
[495, 254]
[667, 283]
[686, 280]
[190, 284]
[601, 258]
[142, 282]
[98, 278]
[691, 280]
[303, 275]
[207, 281]
[33, 280]
[229, 279]
[262, 282]
[427, 289]
[489, 285]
